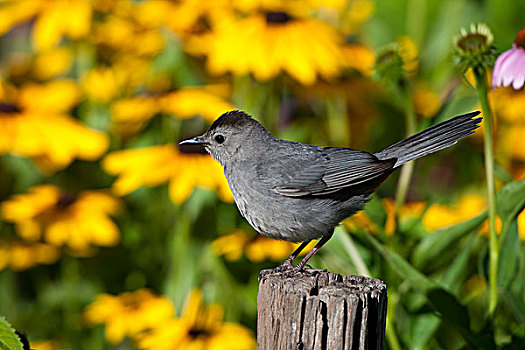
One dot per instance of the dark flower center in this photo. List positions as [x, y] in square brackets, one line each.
[198, 332]
[277, 17]
[65, 200]
[8, 108]
[472, 42]
[520, 39]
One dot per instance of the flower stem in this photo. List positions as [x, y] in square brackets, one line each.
[407, 169]
[481, 85]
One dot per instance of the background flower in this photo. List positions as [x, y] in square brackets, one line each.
[509, 67]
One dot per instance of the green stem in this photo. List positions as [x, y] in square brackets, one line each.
[353, 253]
[391, 335]
[481, 86]
[407, 169]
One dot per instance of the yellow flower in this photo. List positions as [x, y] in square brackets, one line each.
[264, 248]
[512, 141]
[359, 57]
[131, 114]
[50, 24]
[55, 96]
[438, 215]
[45, 345]
[408, 211]
[154, 165]
[409, 53]
[270, 43]
[347, 15]
[53, 140]
[128, 314]
[102, 84]
[53, 62]
[21, 255]
[124, 33]
[188, 102]
[508, 104]
[37, 126]
[360, 220]
[426, 102]
[199, 327]
[256, 249]
[230, 245]
[61, 219]
[13, 13]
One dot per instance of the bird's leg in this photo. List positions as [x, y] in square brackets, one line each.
[287, 264]
[291, 258]
[311, 253]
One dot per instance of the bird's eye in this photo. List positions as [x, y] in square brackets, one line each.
[219, 138]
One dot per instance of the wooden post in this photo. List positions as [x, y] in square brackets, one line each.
[319, 310]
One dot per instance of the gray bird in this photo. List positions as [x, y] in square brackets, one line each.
[299, 192]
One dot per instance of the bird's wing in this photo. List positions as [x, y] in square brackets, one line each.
[336, 169]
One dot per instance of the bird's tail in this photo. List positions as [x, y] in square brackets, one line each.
[431, 140]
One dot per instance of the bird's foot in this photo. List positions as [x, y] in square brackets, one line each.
[288, 270]
[285, 267]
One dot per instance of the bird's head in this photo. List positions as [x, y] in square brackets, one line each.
[234, 136]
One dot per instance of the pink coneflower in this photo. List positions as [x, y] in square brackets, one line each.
[510, 65]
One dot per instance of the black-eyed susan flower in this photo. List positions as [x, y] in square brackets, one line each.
[187, 102]
[155, 165]
[468, 206]
[130, 30]
[426, 101]
[258, 248]
[49, 25]
[34, 123]
[199, 327]
[358, 57]
[407, 212]
[439, 215]
[130, 114]
[78, 222]
[55, 96]
[510, 65]
[53, 62]
[23, 255]
[102, 84]
[129, 313]
[508, 105]
[272, 39]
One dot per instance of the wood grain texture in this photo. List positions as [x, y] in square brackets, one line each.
[320, 310]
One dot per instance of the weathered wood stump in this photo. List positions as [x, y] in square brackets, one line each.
[320, 310]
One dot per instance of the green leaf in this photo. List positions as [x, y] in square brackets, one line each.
[423, 329]
[433, 246]
[8, 338]
[510, 199]
[419, 281]
[440, 300]
[453, 278]
[509, 255]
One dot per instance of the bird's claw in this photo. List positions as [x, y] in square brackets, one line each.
[288, 269]
[285, 267]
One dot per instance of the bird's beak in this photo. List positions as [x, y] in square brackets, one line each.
[194, 141]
